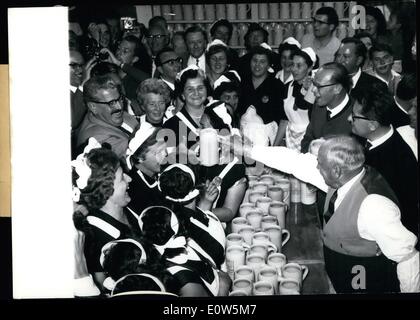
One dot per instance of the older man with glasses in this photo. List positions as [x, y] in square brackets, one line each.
[323, 40]
[332, 106]
[106, 120]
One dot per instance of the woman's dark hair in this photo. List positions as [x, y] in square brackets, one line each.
[219, 23]
[262, 51]
[253, 27]
[379, 17]
[226, 87]
[176, 183]
[216, 49]
[190, 74]
[287, 46]
[123, 258]
[157, 229]
[103, 163]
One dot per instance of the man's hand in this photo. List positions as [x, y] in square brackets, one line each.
[111, 57]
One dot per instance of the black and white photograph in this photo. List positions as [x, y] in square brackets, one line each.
[163, 151]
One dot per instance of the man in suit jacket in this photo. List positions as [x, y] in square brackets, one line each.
[386, 150]
[332, 105]
[106, 119]
[352, 55]
[405, 96]
[78, 107]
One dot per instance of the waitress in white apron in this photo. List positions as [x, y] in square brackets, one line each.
[299, 99]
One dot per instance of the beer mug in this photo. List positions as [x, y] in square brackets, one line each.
[267, 179]
[235, 257]
[278, 209]
[284, 184]
[244, 272]
[307, 193]
[267, 221]
[255, 195]
[247, 232]
[295, 272]
[260, 237]
[235, 239]
[238, 293]
[246, 207]
[237, 223]
[263, 249]
[242, 285]
[288, 287]
[260, 187]
[277, 260]
[256, 262]
[264, 203]
[269, 274]
[263, 288]
[254, 218]
[275, 234]
[275, 193]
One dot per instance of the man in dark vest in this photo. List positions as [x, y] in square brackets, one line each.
[366, 247]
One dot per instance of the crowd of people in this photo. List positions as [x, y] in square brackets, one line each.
[340, 115]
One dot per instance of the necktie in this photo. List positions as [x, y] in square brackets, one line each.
[197, 60]
[368, 145]
[329, 210]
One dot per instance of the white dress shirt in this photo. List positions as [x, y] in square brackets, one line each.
[380, 140]
[379, 218]
[340, 107]
[201, 62]
[73, 88]
[356, 78]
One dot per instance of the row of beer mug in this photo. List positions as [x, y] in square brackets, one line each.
[242, 11]
[277, 277]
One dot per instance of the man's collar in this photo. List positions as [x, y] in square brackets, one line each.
[170, 85]
[73, 88]
[342, 191]
[340, 107]
[380, 140]
[356, 77]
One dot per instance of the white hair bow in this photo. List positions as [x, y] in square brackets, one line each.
[291, 40]
[190, 67]
[215, 42]
[82, 168]
[267, 47]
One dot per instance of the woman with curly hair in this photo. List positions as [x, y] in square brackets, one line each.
[100, 187]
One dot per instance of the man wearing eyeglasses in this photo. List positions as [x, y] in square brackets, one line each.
[157, 39]
[386, 150]
[106, 119]
[78, 108]
[323, 40]
[332, 104]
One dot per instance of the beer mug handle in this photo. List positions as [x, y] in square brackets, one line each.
[305, 270]
[284, 231]
[246, 246]
[271, 247]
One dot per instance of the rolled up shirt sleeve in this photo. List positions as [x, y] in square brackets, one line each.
[302, 165]
[380, 220]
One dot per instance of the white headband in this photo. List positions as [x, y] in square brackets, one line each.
[293, 41]
[146, 275]
[216, 42]
[192, 194]
[110, 244]
[224, 79]
[82, 168]
[190, 67]
[311, 53]
[142, 134]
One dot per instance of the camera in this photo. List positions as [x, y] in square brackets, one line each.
[128, 23]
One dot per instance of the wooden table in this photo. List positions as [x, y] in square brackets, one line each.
[305, 247]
